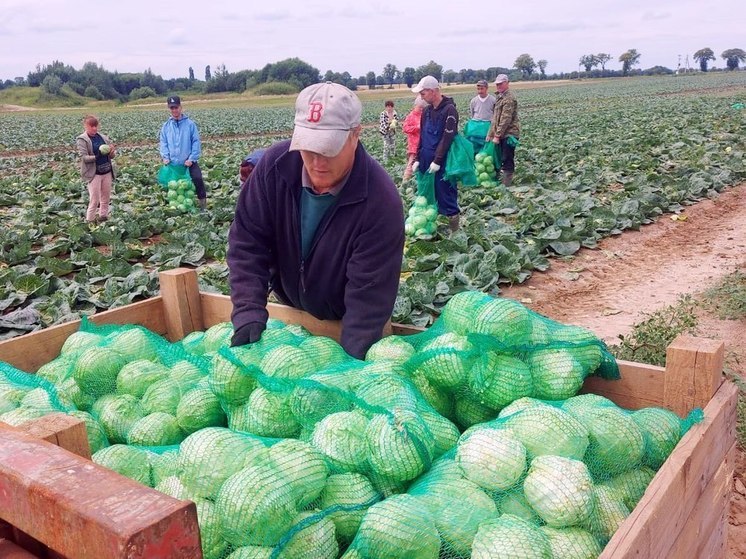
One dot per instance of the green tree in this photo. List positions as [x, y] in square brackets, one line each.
[52, 84]
[733, 57]
[370, 79]
[408, 76]
[432, 68]
[525, 63]
[629, 59]
[542, 64]
[703, 56]
[208, 74]
[292, 70]
[191, 74]
[390, 74]
[449, 76]
[603, 58]
[588, 61]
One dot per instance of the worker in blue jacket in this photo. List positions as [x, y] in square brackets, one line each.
[180, 145]
[321, 224]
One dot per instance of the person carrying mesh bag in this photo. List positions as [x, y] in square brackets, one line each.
[438, 129]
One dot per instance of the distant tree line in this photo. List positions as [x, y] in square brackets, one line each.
[293, 74]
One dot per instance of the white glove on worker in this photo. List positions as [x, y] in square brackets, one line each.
[434, 168]
[415, 166]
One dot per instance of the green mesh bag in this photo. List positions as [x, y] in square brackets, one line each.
[476, 131]
[172, 172]
[24, 396]
[487, 164]
[460, 162]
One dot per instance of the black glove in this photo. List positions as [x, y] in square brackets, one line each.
[248, 334]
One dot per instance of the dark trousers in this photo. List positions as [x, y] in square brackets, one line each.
[199, 183]
[508, 156]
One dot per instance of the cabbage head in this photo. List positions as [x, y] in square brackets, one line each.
[395, 348]
[661, 430]
[209, 456]
[457, 508]
[571, 543]
[492, 458]
[546, 430]
[399, 527]
[257, 507]
[302, 467]
[510, 536]
[199, 408]
[313, 535]
[353, 494]
[497, 379]
[127, 460]
[400, 445]
[560, 490]
[210, 532]
[117, 413]
[136, 376]
[96, 370]
[556, 374]
[341, 438]
[156, 429]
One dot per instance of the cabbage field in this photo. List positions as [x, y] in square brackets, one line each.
[596, 157]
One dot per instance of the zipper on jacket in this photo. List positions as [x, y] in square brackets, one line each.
[303, 276]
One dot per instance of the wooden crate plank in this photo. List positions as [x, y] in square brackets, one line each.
[694, 368]
[64, 431]
[31, 351]
[704, 531]
[656, 522]
[9, 550]
[216, 308]
[640, 386]
[57, 497]
[182, 307]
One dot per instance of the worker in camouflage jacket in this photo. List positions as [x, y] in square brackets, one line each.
[505, 128]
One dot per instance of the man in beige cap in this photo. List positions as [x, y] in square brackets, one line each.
[505, 127]
[321, 224]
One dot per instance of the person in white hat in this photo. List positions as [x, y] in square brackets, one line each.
[505, 128]
[438, 128]
[321, 224]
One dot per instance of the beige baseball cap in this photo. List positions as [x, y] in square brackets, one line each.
[324, 115]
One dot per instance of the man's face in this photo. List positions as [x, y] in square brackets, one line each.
[428, 95]
[482, 91]
[175, 111]
[501, 87]
[325, 172]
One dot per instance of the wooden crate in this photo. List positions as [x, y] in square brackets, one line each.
[682, 514]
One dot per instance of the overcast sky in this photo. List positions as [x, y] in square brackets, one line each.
[359, 36]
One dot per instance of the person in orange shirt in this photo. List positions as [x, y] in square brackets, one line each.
[411, 127]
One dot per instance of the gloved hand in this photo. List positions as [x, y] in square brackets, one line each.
[415, 166]
[393, 124]
[248, 334]
[434, 168]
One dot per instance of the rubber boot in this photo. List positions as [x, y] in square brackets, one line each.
[453, 222]
[507, 179]
[202, 204]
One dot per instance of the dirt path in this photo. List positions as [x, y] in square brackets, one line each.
[611, 288]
